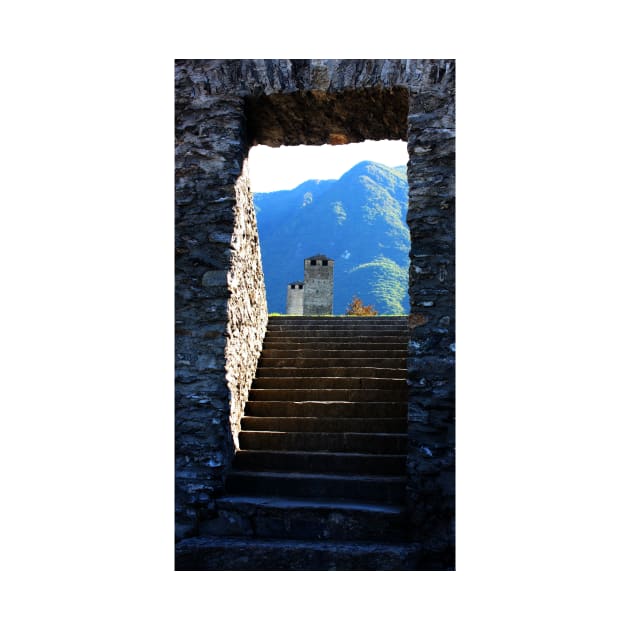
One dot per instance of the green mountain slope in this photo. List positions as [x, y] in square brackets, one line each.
[358, 220]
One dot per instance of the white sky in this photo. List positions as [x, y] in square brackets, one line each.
[284, 168]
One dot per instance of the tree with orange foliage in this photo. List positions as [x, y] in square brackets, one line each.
[356, 307]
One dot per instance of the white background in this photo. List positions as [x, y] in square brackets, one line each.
[86, 451]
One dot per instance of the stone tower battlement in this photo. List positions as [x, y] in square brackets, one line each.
[313, 296]
[318, 285]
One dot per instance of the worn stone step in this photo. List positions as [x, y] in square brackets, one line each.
[332, 372]
[336, 409]
[218, 553]
[325, 425]
[337, 325]
[375, 488]
[341, 353]
[356, 382]
[348, 395]
[335, 333]
[307, 461]
[306, 519]
[341, 335]
[386, 335]
[302, 362]
[347, 346]
[377, 443]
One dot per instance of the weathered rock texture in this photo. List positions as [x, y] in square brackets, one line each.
[431, 363]
[221, 311]
[222, 108]
[247, 306]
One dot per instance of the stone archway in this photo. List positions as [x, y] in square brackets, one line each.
[222, 108]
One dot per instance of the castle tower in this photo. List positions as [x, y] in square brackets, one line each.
[295, 298]
[318, 285]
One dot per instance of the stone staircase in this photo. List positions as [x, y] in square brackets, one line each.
[319, 480]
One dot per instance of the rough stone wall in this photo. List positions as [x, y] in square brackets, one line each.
[222, 108]
[370, 96]
[247, 305]
[210, 146]
[431, 361]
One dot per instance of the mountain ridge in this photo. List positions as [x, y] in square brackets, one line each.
[357, 220]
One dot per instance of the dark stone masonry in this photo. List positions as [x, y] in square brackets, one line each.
[222, 108]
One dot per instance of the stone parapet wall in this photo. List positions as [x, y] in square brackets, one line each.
[247, 305]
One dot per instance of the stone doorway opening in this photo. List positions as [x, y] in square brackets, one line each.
[303, 117]
[223, 107]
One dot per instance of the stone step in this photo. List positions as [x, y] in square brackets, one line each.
[336, 409]
[341, 335]
[374, 488]
[302, 362]
[346, 395]
[306, 519]
[324, 437]
[307, 461]
[336, 442]
[336, 324]
[325, 425]
[347, 346]
[332, 372]
[341, 353]
[219, 553]
[335, 333]
[367, 334]
[338, 382]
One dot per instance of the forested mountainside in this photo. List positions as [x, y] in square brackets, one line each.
[358, 220]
